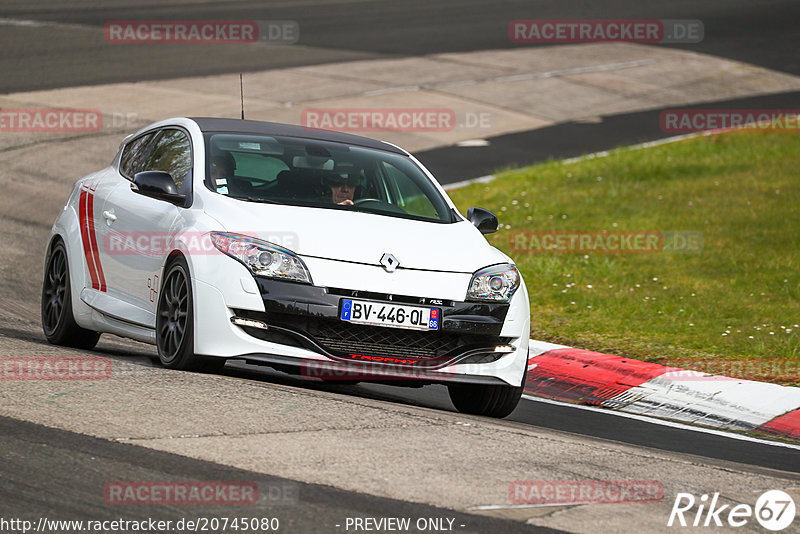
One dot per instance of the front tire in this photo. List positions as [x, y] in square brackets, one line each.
[175, 322]
[58, 321]
[491, 401]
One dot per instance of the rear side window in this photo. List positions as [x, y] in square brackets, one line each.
[135, 155]
[172, 153]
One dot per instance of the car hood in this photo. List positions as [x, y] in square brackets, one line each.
[359, 237]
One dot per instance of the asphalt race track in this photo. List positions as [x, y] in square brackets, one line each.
[762, 33]
[338, 451]
[570, 139]
[27, 488]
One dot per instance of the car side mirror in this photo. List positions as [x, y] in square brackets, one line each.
[484, 220]
[158, 185]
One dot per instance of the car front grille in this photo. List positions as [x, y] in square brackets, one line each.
[382, 341]
[342, 338]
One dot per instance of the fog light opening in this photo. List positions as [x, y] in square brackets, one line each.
[252, 323]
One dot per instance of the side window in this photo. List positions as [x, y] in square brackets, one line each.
[135, 155]
[407, 194]
[171, 153]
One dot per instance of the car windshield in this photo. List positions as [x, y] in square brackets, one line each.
[321, 174]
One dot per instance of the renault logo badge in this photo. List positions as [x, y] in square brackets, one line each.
[389, 262]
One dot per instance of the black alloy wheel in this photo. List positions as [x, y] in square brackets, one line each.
[175, 322]
[58, 321]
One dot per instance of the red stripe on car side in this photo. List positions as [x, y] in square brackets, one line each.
[87, 252]
[93, 240]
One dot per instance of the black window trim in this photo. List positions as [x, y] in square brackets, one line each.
[157, 131]
[128, 144]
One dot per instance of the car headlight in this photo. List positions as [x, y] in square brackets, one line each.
[262, 258]
[496, 283]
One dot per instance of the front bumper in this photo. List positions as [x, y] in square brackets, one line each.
[308, 317]
[304, 333]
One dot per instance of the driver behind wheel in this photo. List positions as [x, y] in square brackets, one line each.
[343, 187]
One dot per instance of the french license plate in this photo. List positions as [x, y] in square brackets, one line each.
[396, 315]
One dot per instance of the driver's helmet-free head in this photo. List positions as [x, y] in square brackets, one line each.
[336, 179]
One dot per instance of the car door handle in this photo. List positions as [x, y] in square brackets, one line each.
[109, 216]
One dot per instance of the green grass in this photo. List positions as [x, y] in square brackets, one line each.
[740, 191]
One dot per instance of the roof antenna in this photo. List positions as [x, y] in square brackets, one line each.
[241, 93]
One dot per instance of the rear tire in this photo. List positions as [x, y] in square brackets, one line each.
[491, 401]
[58, 321]
[175, 323]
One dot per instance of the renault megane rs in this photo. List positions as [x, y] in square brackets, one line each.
[314, 252]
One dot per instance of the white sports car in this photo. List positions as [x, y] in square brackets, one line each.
[318, 253]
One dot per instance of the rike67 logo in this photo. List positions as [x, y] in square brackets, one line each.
[774, 510]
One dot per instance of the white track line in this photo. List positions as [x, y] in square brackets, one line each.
[25, 23]
[662, 422]
[522, 506]
[481, 180]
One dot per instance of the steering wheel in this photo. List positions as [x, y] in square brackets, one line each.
[362, 200]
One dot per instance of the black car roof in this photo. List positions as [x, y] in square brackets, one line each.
[210, 124]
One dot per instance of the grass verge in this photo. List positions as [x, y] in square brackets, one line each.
[728, 303]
